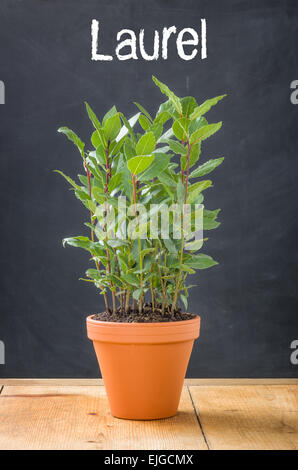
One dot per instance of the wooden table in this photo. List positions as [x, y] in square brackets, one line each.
[218, 414]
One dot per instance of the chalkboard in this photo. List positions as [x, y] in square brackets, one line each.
[249, 302]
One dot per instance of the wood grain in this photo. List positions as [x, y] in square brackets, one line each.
[242, 417]
[77, 417]
[90, 382]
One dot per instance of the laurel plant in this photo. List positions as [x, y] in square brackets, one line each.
[136, 168]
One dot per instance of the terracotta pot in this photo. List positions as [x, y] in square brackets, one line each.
[143, 365]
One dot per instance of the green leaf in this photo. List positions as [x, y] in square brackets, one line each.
[180, 128]
[131, 279]
[115, 182]
[94, 168]
[93, 274]
[137, 294]
[156, 129]
[177, 147]
[184, 300]
[101, 235]
[81, 242]
[146, 251]
[188, 105]
[162, 118]
[193, 157]
[129, 150]
[163, 149]
[197, 124]
[109, 114]
[205, 132]
[200, 261]
[112, 127]
[115, 147]
[209, 219]
[167, 179]
[194, 245]
[127, 185]
[144, 122]
[92, 116]
[128, 126]
[204, 108]
[115, 243]
[143, 110]
[206, 167]
[83, 179]
[140, 163]
[98, 195]
[164, 137]
[73, 138]
[98, 138]
[146, 144]
[187, 269]
[170, 245]
[122, 257]
[196, 189]
[173, 261]
[172, 97]
[86, 200]
[101, 155]
[180, 192]
[159, 164]
[70, 181]
[167, 107]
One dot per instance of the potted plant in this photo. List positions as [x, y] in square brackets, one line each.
[143, 340]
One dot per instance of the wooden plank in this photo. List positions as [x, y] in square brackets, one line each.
[51, 382]
[235, 381]
[255, 417]
[53, 417]
[190, 382]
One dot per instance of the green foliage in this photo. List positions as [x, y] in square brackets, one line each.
[204, 132]
[73, 138]
[180, 128]
[139, 164]
[152, 166]
[206, 167]
[146, 144]
[112, 127]
[205, 107]
[175, 101]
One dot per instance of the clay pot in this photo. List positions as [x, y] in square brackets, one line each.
[143, 365]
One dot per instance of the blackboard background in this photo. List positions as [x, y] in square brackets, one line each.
[249, 302]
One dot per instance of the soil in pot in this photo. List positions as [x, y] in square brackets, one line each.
[146, 316]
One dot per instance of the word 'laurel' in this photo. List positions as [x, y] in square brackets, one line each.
[130, 46]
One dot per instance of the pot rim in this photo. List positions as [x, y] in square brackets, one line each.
[142, 324]
[159, 332]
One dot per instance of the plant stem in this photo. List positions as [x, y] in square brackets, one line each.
[140, 244]
[182, 237]
[164, 295]
[151, 283]
[106, 190]
[127, 300]
[152, 296]
[119, 275]
[106, 302]
[92, 232]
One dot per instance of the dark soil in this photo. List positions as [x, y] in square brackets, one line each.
[147, 315]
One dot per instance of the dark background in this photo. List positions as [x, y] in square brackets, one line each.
[248, 303]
